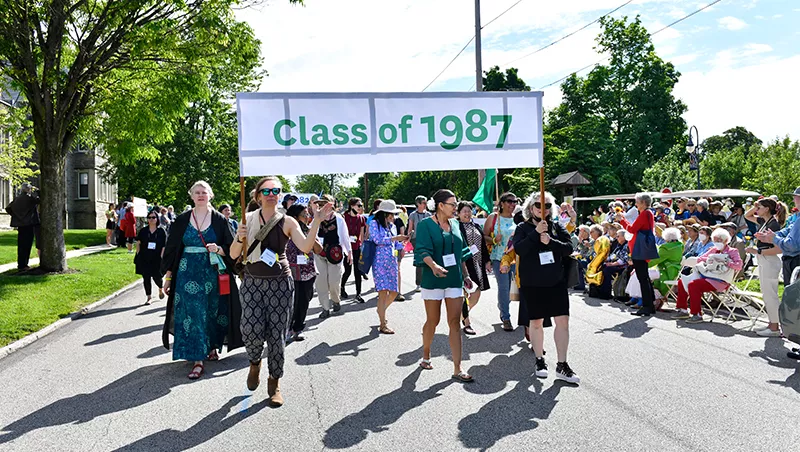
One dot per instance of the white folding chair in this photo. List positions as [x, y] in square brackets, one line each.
[686, 263]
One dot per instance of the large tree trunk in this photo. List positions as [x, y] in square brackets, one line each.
[52, 207]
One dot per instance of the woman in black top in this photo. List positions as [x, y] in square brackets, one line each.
[150, 244]
[542, 246]
[478, 265]
[769, 264]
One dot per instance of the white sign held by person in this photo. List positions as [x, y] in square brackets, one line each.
[322, 133]
[139, 207]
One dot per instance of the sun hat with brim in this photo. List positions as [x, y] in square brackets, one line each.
[796, 192]
[388, 206]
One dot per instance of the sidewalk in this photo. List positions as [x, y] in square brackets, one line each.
[70, 254]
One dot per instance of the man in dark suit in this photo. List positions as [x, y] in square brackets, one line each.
[25, 217]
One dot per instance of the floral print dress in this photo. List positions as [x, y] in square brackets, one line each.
[385, 267]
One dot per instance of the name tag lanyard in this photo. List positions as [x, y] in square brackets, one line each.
[452, 241]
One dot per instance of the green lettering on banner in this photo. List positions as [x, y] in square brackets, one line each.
[277, 132]
[405, 124]
[456, 132]
[340, 132]
[359, 133]
[303, 138]
[506, 120]
[320, 136]
[429, 121]
[392, 131]
[479, 126]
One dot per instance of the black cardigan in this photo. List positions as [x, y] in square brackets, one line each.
[528, 245]
[173, 253]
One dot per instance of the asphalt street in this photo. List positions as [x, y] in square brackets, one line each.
[104, 382]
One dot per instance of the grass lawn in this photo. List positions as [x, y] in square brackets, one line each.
[755, 286]
[29, 303]
[74, 239]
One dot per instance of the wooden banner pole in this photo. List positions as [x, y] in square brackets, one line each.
[244, 215]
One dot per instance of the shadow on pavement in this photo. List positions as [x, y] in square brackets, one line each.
[774, 354]
[634, 328]
[496, 342]
[153, 352]
[152, 311]
[105, 312]
[137, 388]
[126, 335]
[205, 430]
[381, 413]
[322, 353]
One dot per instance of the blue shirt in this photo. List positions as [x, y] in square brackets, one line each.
[788, 240]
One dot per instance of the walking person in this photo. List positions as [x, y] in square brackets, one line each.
[388, 243]
[111, 223]
[479, 264]
[25, 217]
[769, 264]
[356, 225]
[400, 225]
[304, 272]
[497, 230]
[201, 314]
[226, 211]
[414, 218]
[121, 232]
[267, 284]
[642, 230]
[150, 243]
[543, 246]
[442, 254]
[336, 248]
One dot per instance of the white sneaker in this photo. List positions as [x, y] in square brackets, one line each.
[563, 372]
[541, 368]
[766, 332]
[418, 289]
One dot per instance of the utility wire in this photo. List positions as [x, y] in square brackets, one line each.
[468, 43]
[651, 35]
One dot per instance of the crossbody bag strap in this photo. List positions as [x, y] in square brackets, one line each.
[264, 232]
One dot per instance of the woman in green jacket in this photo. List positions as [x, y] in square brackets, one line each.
[441, 252]
[668, 262]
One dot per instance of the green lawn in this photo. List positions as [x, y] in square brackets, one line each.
[29, 303]
[755, 286]
[74, 239]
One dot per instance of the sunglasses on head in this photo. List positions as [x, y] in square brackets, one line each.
[538, 205]
[271, 191]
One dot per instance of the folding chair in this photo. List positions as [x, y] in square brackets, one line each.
[686, 263]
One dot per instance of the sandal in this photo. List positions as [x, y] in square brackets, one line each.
[196, 372]
[148, 302]
[213, 356]
[469, 331]
[463, 377]
[426, 364]
[385, 329]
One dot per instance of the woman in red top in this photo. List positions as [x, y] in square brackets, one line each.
[128, 226]
[644, 223]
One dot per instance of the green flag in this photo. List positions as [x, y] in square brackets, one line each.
[485, 196]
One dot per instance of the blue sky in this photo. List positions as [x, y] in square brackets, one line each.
[740, 59]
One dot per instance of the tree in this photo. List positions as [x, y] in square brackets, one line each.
[731, 138]
[15, 154]
[627, 108]
[496, 80]
[73, 58]
[331, 184]
[777, 169]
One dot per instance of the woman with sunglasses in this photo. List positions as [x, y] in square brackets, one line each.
[543, 246]
[498, 229]
[769, 264]
[479, 264]
[267, 284]
[150, 242]
[356, 224]
[442, 254]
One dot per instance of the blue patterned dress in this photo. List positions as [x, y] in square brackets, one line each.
[199, 327]
[384, 268]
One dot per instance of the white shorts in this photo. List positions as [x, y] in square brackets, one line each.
[440, 294]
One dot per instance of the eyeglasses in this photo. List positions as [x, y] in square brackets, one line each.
[268, 191]
[691, 205]
[538, 205]
[451, 204]
[511, 201]
[359, 205]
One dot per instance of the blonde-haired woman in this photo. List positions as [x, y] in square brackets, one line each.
[267, 284]
[197, 251]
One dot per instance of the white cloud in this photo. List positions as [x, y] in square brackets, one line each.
[732, 23]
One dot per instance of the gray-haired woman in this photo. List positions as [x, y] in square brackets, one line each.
[644, 224]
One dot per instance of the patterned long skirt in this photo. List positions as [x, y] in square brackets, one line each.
[266, 311]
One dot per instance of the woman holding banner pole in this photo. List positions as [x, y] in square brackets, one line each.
[267, 286]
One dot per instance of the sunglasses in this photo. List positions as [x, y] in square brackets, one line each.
[511, 201]
[538, 205]
[359, 205]
[271, 191]
[152, 218]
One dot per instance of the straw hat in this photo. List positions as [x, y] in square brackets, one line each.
[388, 206]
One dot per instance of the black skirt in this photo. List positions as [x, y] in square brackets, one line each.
[544, 302]
[111, 225]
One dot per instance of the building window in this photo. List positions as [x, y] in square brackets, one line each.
[83, 185]
[5, 193]
[79, 147]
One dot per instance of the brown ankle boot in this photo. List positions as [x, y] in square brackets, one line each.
[254, 377]
[274, 392]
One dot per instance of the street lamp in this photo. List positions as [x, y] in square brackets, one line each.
[694, 153]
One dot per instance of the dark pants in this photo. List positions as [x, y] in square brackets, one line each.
[349, 267]
[120, 237]
[582, 265]
[148, 285]
[606, 291]
[303, 293]
[789, 264]
[648, 297]
[25, 236]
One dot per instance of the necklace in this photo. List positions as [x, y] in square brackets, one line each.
[199, 224]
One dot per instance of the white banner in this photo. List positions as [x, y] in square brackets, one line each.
[322, 133]
[139, 207]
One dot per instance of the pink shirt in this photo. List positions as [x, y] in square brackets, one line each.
[735, 263]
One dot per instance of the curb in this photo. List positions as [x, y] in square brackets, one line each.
[33, 337]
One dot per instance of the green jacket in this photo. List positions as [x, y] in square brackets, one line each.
[434, 242]
[669, 264]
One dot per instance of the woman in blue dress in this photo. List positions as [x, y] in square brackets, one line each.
[197, 250]
[383, 232]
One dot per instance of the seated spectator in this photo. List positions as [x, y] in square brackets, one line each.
[615, 264]
[658, 231]
[601, 247]
[716, 214]
[670, 254]
[735, 242]
[704, 242]
[737, 218]
[702, 214]
[690, 247]
[691, 288]
[582, 245]
[682, 210]
[661, 215]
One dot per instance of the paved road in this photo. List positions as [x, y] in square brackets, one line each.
[105, 383]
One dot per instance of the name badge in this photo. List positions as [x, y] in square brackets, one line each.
[321, 240]
[302, 259]
[546, 258]
[353, 239]
[449, 260]
[268, 257]
[473, 249]
[151, 245]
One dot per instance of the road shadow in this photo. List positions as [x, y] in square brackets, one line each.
[323, 352]
[125, 335]
[208, 428]
[152, 311]
[634, 328]
[153, 352]
[136, 388]
[774, 354]
[105, 312]
[716, 326]
[381, 413]
[312, 318]
[497, 342]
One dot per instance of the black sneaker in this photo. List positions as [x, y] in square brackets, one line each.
[359, 298]
[337, 307]
[324, 314]
[563, 372]
[541, 368]
[344, 295]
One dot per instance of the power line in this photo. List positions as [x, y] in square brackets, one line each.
[651, 35]
[468, 43]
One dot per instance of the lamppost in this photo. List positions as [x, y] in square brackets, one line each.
[694, 153]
